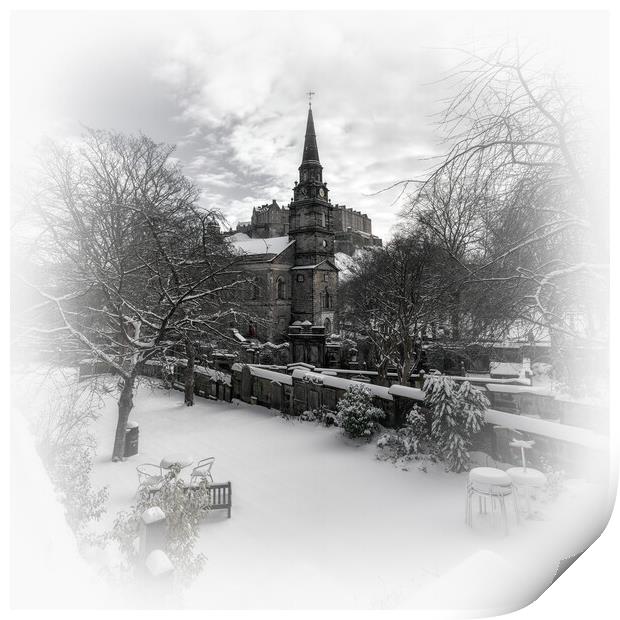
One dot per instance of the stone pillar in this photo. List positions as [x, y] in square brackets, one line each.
[159, 584]
[246, 384]
[152, 531]
[159, 566]
[277, 396]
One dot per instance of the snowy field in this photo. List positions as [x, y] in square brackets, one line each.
[318, 522]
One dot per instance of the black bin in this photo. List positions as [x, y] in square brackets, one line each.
[132, 432]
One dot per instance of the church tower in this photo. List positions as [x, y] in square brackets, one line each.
[314, 275]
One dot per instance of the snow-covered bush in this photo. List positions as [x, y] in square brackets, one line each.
[397, 444]
[356, 414]
[323, 415]
[308, 415]
[184, 510]
[457, 414]
[410, 440]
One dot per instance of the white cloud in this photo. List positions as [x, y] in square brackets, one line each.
[228, 89]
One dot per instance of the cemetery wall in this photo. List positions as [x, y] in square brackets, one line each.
[564, 440]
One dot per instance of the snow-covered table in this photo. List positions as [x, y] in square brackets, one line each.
[182, 460]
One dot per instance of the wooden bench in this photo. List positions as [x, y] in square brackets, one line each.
[220, 496]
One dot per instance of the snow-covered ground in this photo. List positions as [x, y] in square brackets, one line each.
[318, 522]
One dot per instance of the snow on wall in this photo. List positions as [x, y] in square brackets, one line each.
[216, 375]
[406, 392]
[271, 375]
[518, 389]
[342, 384]
[537, 426]
[555, 430]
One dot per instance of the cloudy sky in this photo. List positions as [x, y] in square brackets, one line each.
[229, 90]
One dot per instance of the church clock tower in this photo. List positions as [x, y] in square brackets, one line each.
[315, 276]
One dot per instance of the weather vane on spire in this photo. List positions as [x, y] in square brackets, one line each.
[310, 93]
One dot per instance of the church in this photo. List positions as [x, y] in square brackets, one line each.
[289, 256]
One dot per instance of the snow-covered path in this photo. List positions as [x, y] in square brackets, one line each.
[319, 522]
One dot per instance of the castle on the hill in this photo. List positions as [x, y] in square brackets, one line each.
[290, 256]
[352, 229]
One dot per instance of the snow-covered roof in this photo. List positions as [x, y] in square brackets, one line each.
[249, 246]
[314, 266]
[239, 236]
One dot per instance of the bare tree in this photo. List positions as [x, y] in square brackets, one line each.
[123, 264]
[513, 201]
[392, 294]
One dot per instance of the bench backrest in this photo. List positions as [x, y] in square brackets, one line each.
[220, 494]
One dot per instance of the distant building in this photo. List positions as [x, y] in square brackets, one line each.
[270, 220]
[352, 229]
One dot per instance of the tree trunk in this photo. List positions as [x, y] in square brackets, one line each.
[382, 370]
[455, 314]
[125, 405]
[406, 370]
[189, 372]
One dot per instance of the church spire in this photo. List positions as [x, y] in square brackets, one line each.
[310, 171]
[311, 150]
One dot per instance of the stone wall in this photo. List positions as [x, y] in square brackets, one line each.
[556, 437]
[300, 389]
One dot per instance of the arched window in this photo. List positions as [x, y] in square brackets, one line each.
[328, 326]
[281, 288]
[327, 299]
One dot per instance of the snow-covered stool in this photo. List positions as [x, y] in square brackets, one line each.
[494, 484]
[527, 479]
